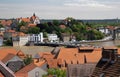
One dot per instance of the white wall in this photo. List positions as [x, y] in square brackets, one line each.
[36, 37]
[23, 40]
[52, 37]
[35, 71]
[1, 41]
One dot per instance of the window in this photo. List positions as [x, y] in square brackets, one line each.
[37, 74]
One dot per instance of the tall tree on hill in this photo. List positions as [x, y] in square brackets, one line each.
[34, 30]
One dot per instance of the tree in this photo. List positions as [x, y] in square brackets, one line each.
[33, 30]
[8, 42]
[28, 60]
[22, 23]
[45, 34]
[55, 72]
[56, 22]
[1, 25]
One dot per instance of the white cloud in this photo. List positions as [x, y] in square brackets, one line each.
[87, 3]
[79, 9]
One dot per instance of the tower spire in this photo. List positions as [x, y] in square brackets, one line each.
[33, 14]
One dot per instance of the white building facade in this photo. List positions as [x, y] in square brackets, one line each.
[20, 40]
[36, 38]
[104, 30]
[53, 38]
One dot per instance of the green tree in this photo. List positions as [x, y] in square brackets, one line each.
[1, 25]
[56, 22]
[28, 60]
[8, 42]
[45, 34]
[56, 72]
[22, 23]
[33, 30]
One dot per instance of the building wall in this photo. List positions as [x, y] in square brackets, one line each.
[1, 41]
[36, 72]
[23, 40]
[52, 37]
[106, 31]
[36, 38]
[37, 21]
[44, 67]
[66, 38]
[15, 43]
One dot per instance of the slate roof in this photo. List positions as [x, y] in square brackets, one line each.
[80, 70]
[109, 64]
[6, 72]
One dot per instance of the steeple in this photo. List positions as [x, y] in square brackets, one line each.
[34, 14]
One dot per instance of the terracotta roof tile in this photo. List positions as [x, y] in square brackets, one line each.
[24, 71]
[18, 34]
[110, 47]
[40, 63]
[87, 48]
[6, 22]
[62, 26]
[21, 54]
[52, 63]
[11, 31]
[46, 55]
[73, 55]
[31, 25]
[119, 51]
[5, 51]
[111, 27]
[25, 19]
[33, 17]
[1, 75]
[7, 57]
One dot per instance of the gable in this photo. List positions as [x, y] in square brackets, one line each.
[36, 72]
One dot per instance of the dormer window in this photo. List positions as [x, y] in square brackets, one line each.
[86, 49]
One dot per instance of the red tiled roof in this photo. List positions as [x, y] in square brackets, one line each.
[18, 34]
[33, 17]
[53, 63]
[111, 27]
[7, 57]
[31, 25]
[5, 51]
[24, 71]
[1, 75]
[40, 63]
[110, 47]
[46, 55]
[73, 55]
[62, 26]
[11, 31]
[21, 54]
[86, 48]
[119, 51]
[25, 19]
[6, 22]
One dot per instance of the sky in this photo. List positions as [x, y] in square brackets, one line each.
[61, 9]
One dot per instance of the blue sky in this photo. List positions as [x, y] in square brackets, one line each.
[60, 9]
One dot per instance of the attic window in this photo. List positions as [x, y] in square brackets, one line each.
[37, 74]
[86, 50]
